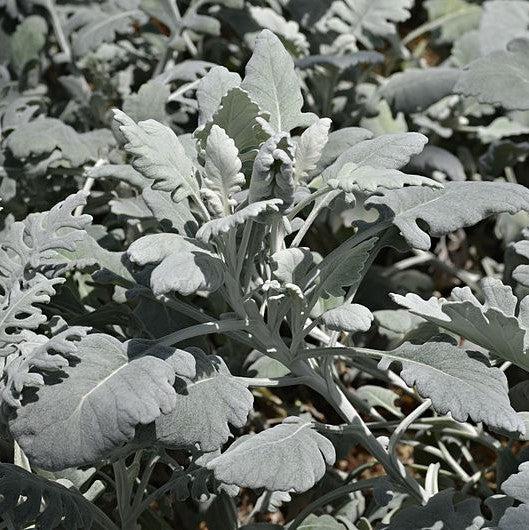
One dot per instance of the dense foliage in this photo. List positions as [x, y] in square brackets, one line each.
[264, 264]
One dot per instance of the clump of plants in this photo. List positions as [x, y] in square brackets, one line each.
[264, 264]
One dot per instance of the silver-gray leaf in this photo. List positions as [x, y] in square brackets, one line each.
[103, 396]
[291, 456]
[184, 265]
[271, 81]
[457, 205]
[204, 407]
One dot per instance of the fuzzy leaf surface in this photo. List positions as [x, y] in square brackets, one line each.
[272, 83]
[158, 155]
[184, 265]
[291, 456]
[456, 205]
[436, 368]
[493, 324]
[205, 404]
[104, 394]
[500, 78]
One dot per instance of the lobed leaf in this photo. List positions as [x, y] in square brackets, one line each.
[105, 392]
[184, 265]
[436, 368]
[158, 155]
[222, 172]
[493, 324]
[205, 405]
[456, 205]
[23, 494]
[500, 78]
[289, 457]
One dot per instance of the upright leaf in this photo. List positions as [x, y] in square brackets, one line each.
[309, 147]
[273, 171]
[212, 88]
[158, 155]
[272, 83]
[27, 41]
[242, 120]
[222, 172]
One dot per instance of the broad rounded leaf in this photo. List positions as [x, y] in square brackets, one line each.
[94, 404]
[184, 265]
[205, 404]
[500, 78]
[348, 317]
[437, 368]
[43, 135]
[289, 457]
[501, 22]
[415, 90]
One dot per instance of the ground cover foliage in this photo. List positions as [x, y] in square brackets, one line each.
[264, 264]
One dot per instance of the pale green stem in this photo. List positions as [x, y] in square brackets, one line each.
[241, 253]
[434, 24]
[221, 326]
[272, 382]
[329, 497]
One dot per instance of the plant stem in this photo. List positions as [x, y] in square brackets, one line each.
[220, 326]
[272, 382]
[335, 494]
[434, 24]
[241, 253]
[405, 423]
[317, 208]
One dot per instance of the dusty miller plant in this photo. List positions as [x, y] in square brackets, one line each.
[132, 354]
